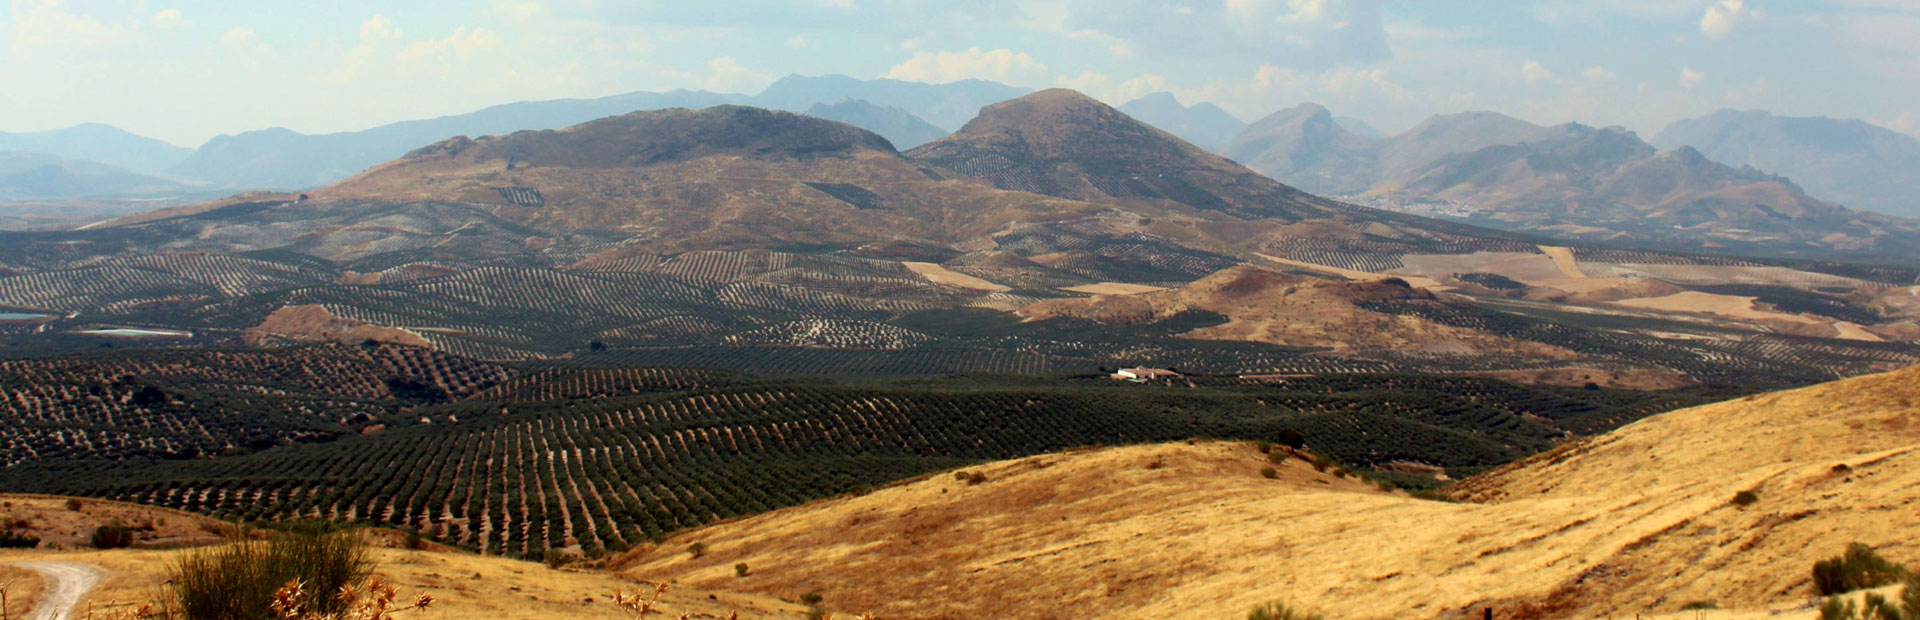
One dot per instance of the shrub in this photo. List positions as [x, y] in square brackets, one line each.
[10, 539]
[240, 581]
[1282, 611]
[741, 570]
[1857, 569]
[696, 550]
[1269, 473]
[74, 505]
[112, 536]
[1290, 438]
[555, 558]
[1263, 446]
[1744, 499]
[812, 599]
[1699, 606]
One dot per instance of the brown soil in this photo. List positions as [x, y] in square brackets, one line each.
[59, 527]
[312, 323]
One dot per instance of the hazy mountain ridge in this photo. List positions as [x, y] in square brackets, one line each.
[99, 143]
[1203, 124]
[37, 176]
[1852, 162]
[898, 126]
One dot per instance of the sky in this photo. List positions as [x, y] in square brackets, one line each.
[187, 70]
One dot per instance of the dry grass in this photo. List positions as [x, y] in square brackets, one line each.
[1563, 259]
[22, 588]
[1113, 288]
[462, 585]
[941, 275]
[1636, 522]
[58, 527]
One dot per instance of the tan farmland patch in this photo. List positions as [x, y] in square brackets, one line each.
[1563, 259]
[1113, 288]
[1708, 303]
[1524, 267]
[939, 274]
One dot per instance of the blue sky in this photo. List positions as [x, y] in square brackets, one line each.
[185, 70]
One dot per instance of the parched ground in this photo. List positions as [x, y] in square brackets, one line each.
[1637, 522]
[64, 523]
[464, 586]
[939, 274]
[23, 588]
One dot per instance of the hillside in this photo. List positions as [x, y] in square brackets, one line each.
[1850, 162]
[1634, 522]
[898, 126]
[1061, 143]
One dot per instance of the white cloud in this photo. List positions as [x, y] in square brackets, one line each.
[1304, 11]
[379, 28]
[1103, 87]
[46, 25]
[1000, 65]
[1535, 73]
[167, 19]
[1690, 78]
[725, 74]
[802, 43]
[1722, 16]
[246, 44]
[1599, 74]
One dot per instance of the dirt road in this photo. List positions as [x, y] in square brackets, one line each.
[66, 584]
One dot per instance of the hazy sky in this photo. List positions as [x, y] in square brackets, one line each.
[185, 70]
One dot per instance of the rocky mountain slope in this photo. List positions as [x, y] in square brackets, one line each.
[1636, 522]
[1306, 146]
[1850, 162]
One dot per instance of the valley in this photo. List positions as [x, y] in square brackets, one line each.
[943, 349]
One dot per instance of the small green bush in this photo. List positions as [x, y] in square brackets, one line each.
[1282, 611]
[1699, 606]
[741, 570]
[238, 581]
[112, 536]
[1857, 569]
[1744, 499]
[812, 599]
[1269, 473]
[555, 558]
[696, 550]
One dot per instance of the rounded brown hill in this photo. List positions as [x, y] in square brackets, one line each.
[722, 177]
[1062, 143]
[666, 136]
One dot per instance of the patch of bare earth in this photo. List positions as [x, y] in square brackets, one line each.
[312, 323]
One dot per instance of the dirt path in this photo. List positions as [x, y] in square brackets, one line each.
[67, 583]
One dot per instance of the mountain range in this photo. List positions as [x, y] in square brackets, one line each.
[1851, 162]
[1571, 181]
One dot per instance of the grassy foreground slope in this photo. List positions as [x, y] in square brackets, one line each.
[1637, 521]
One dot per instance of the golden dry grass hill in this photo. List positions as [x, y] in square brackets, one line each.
[1639, 522]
